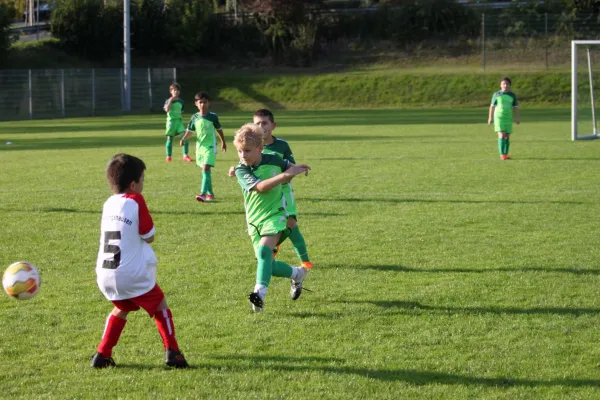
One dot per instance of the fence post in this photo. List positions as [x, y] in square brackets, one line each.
[62, 92]
[547, 40]
[30, 96]
[174, 74]
[93, 92]
[483, 42]
[150, 88]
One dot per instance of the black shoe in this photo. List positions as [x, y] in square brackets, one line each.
[175, 359]
[99, 361]
[258, 304]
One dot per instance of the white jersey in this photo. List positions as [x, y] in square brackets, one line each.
[126, 265]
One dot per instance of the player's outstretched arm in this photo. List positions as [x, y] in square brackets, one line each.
[231, 171]
[491, 115]
[284, 177]
[517, 115]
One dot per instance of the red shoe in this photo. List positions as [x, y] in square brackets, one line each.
[209, 197]
[503, 157]
[307, 264]
[506, 157]
[187, 158]
[200, 198]
[168, 159]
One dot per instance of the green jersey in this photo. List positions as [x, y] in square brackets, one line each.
[504, 103]
[260, 206]
[175, 111]
[281, 148]
[206, 127]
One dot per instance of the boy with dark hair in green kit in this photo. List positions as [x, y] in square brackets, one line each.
[261, 177]
[275, 145]
[174, 109]
[206, 125]
[504, 104]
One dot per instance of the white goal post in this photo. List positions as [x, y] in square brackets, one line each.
[575, 135]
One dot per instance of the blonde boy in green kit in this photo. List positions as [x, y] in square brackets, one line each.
[174, 109]
[261, 177]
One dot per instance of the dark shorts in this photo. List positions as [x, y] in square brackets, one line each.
[148, 301]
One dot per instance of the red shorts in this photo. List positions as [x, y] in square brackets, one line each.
[148, 301]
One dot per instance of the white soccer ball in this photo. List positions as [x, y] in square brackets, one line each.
[21, 280]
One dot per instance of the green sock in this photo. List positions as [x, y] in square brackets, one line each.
[501, 146]
[282, 269]
[169, 146]
[507, 145]
[205, 182]
[208, 178]
[264, 268]
[186, 147]
[299, 243]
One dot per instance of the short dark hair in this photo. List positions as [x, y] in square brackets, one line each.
[263, 112]
[175, 85]
[122, 170]
[201, 95]
[507, 79]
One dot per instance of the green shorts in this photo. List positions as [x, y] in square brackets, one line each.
[174, 127]
[270, 226]
[502, 126]
[206, 156]
[289, 202]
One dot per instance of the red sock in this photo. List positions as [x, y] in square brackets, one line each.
[112, 333]
[164, 323]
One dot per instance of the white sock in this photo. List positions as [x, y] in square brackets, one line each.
[261, 290]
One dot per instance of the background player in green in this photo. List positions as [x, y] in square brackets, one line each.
[206, 125]
[504, 103]
[174, 108]
[261, 176]
[275, 145]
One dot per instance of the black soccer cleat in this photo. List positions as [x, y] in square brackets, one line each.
[175, 359]
[99, 361]
[258, 305]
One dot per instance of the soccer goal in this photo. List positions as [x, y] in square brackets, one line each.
[583, 102]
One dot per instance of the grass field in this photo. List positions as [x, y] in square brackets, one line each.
[441, 272]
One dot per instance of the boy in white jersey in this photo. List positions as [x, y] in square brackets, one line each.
[126, 265]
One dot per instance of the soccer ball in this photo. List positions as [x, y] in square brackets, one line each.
[21, 280]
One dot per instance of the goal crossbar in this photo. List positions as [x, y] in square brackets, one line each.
[574, 47]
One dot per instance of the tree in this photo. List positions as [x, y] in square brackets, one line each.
[7, 13]
[88, 27]
[290, 27]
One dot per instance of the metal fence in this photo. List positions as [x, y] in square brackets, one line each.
[56, 93]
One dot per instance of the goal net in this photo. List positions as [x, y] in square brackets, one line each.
[585, 83]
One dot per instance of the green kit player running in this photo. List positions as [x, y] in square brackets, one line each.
[174, 107]
[504, 103]
[261, 177]
[274, 145]
[206, 125]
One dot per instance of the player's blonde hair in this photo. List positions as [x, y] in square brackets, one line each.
[249, 135]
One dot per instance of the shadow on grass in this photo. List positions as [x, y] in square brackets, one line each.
[56, 127]
[400, 200]
[415, 305]
[410, 376]
[402, 268]
[199, 211]
[91, 142]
